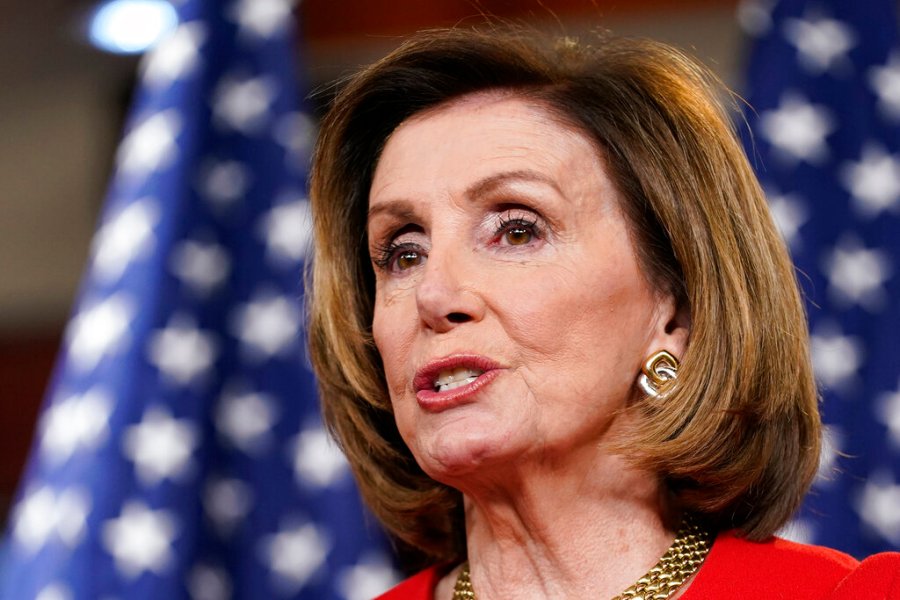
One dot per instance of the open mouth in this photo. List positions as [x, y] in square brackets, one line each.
[453, 380]
[450, 379]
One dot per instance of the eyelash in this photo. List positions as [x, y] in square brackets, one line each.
[385, 255]
[507, 224]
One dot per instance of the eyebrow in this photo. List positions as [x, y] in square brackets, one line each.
[400, 209]
[494, 182]
[404, 209]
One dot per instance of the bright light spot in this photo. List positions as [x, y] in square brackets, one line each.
[131, 26]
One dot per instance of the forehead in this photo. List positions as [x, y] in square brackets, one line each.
[497, 113]
[478, 135]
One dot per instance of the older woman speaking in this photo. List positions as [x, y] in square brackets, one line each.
[556, 332]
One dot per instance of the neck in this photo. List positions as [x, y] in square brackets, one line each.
[564, 532]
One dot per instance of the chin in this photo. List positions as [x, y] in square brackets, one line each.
[449, 458]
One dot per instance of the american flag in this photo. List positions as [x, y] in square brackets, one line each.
[824, 87]
[180, 452]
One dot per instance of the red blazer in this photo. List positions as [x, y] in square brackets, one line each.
[736, 568]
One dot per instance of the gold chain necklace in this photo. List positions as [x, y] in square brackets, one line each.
[681, 560]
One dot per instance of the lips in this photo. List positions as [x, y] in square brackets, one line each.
[453, 380]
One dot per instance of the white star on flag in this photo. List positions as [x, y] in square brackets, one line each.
[245, 419]
[832, 441]
[755, 16]
[797, 129]
[75, 423]
[140, 540]
[244, 103]
[261, 18]
[836, 357]
[99, 330]
[44, 513]
[54, 591]
[294, 554]
[35, 519]
[317, 459]
[790, 213]
[287, 229]
[174, 57]
[207, 582]
[856, 275]
[887, 411]
[877, 506]
[371, 577]
[227, 502]
[181, 351]
[224, 182]
[797, 530]
[202, 267]
[150, 146]
[127, 236]
[160, 446]
[296, 132]
[70, 519]
[267, 325]
[874, 181]
[885, 82]
[821, 42]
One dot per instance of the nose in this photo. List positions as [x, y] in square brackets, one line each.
[447, 295]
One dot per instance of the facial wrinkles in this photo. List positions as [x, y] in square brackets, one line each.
[574, 343]
[449, 228]
[617, 299]
[542, 336]
[442, 164]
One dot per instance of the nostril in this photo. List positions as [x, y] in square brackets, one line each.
[458, 317]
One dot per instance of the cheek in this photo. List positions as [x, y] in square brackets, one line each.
[584, 321]
[394, 357]
[549, 310]
[391, 336]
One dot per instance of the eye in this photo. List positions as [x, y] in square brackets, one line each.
[407, 259]
[517, 231]
[397, 257]
[518, 235]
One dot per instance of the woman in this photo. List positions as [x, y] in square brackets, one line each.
[556, 332]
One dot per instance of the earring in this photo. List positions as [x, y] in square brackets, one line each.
[658, 369]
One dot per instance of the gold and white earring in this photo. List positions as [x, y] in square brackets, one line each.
[658, 369]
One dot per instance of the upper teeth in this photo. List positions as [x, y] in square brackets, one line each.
[454, 378]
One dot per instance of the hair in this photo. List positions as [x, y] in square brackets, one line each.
[737, 437]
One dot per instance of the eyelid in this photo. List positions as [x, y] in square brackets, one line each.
[386, 257]
[388, 234]
[523, 217]
[383, 252]
[520, 209]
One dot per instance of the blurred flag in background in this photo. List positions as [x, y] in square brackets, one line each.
[180, 452]
[824, 87]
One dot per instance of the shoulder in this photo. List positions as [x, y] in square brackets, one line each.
[785, 555]
[775, 568]
[877, 577]
[418, 587]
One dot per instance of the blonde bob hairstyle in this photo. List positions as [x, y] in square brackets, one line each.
[737, 437]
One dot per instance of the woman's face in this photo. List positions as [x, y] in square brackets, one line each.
[510, 312]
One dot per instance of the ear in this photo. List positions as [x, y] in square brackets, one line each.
[671, 327]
